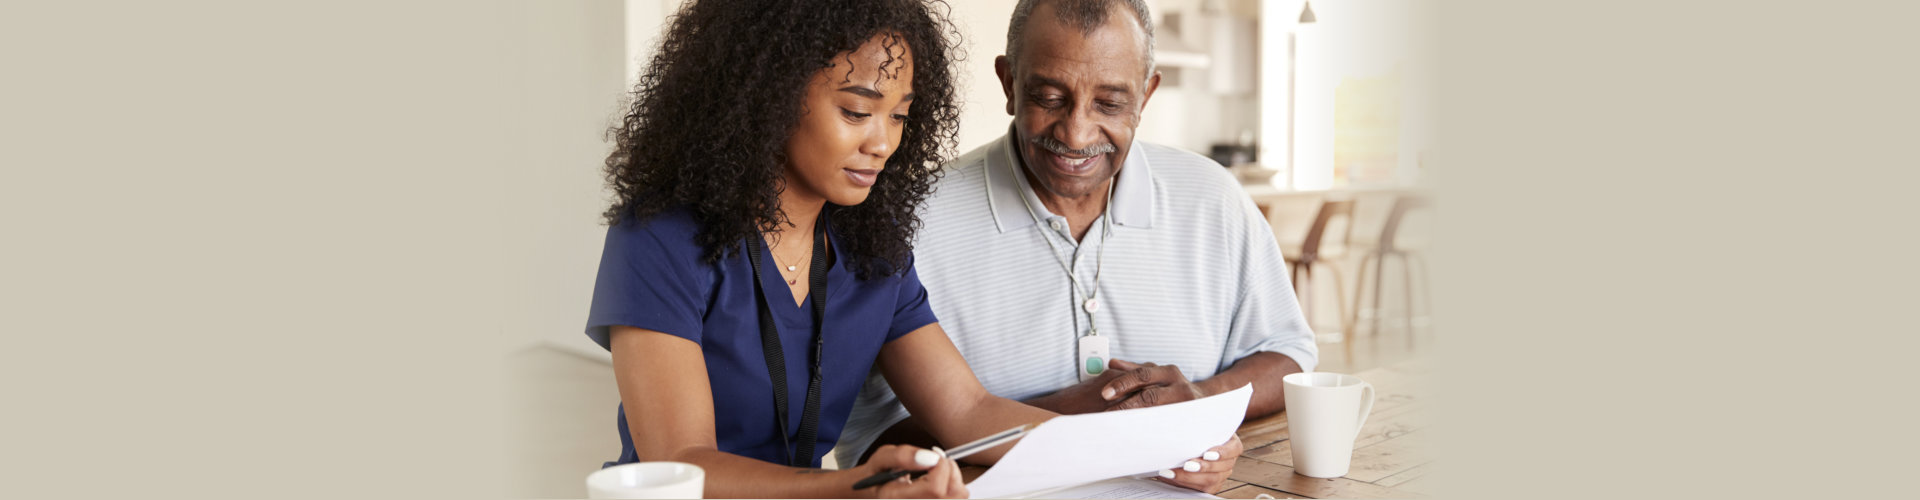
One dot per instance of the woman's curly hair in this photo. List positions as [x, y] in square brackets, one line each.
[712, 113]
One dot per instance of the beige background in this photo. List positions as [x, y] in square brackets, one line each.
[259, 249]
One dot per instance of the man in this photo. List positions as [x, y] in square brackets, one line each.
[1171, 265]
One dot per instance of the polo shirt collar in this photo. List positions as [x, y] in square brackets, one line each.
[1132, 194]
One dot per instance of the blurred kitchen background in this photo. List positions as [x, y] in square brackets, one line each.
[1322, 109]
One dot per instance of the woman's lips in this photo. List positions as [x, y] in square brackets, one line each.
[863, 178]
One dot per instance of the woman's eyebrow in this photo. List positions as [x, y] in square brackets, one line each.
[862, 92]
[870, 93]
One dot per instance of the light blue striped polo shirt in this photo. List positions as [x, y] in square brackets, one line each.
[1193, 278]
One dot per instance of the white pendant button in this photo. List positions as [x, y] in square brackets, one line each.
[1092, 306]
[1093, 357]
[793, 267]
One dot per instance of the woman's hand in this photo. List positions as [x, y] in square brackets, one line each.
[942, 479]
[1203, 474]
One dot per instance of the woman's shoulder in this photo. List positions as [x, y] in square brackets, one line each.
[673, 231]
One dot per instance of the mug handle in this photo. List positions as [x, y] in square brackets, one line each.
[1365, 408]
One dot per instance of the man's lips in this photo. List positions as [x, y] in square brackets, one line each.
[1071, 165]
[863, 177]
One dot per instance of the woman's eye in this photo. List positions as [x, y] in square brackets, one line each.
[853, 115]
[899, 118]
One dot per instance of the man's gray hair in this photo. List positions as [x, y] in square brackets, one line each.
[1087, 15]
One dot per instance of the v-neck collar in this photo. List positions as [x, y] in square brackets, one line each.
[784, 308]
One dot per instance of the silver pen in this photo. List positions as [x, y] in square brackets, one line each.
[957, 453]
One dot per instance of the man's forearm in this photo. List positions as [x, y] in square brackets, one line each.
[1083, 397]
[1264, 370]
[1055, 402]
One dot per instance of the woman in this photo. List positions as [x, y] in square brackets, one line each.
[775, 151]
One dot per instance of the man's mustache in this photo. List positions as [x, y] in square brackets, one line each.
[1059, 148]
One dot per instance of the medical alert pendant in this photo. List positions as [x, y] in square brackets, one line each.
[1091, 306]
[1093, 357]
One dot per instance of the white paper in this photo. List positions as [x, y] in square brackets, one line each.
[1122, 487]
[1078, 449]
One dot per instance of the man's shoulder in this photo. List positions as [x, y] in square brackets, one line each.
[1187, 171]
[968, 164]
[961, 179]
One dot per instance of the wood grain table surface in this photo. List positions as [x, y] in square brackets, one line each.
[1390, 457]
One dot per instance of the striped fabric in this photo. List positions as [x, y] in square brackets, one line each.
[1192, 277]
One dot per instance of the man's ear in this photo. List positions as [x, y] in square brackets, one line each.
[1003, 67]
[1153, 83]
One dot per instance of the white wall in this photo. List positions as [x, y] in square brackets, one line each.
[571, 86]
[1350, 39]
[983, 28]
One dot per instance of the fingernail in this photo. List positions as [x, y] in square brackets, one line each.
[1166, 473]
[1210, 456]
[1106, 393]
[926, 458]
[1191, 466]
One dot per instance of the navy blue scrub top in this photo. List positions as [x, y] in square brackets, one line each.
[651, 277]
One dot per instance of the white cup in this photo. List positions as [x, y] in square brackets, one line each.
[647, 480]
[1324, 415]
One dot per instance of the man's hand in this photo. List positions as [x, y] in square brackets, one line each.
[1140, 385]
[1079, 398]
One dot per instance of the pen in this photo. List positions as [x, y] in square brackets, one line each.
[962, 451]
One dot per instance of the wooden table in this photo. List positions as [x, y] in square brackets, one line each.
[1389, 458]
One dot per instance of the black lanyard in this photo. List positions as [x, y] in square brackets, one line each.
[776, 358]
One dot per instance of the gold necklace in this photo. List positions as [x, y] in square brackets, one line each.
[793, 268]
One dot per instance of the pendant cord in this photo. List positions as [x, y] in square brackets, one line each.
[1100, 256]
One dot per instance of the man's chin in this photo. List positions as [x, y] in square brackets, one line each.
[1072, 186]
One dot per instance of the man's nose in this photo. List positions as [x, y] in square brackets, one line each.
[1078, 131]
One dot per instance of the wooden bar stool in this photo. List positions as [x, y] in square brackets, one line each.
[1386, 248]
[1313, 252]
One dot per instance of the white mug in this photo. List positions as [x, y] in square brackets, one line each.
[648, 480]
[1324, 415]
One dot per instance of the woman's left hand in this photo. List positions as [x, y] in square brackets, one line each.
[1207, 475]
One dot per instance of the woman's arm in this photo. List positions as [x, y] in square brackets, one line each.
[935, 384]
[663, 383]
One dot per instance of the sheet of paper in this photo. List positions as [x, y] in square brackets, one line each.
[1078, 449]
[1123, 487]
